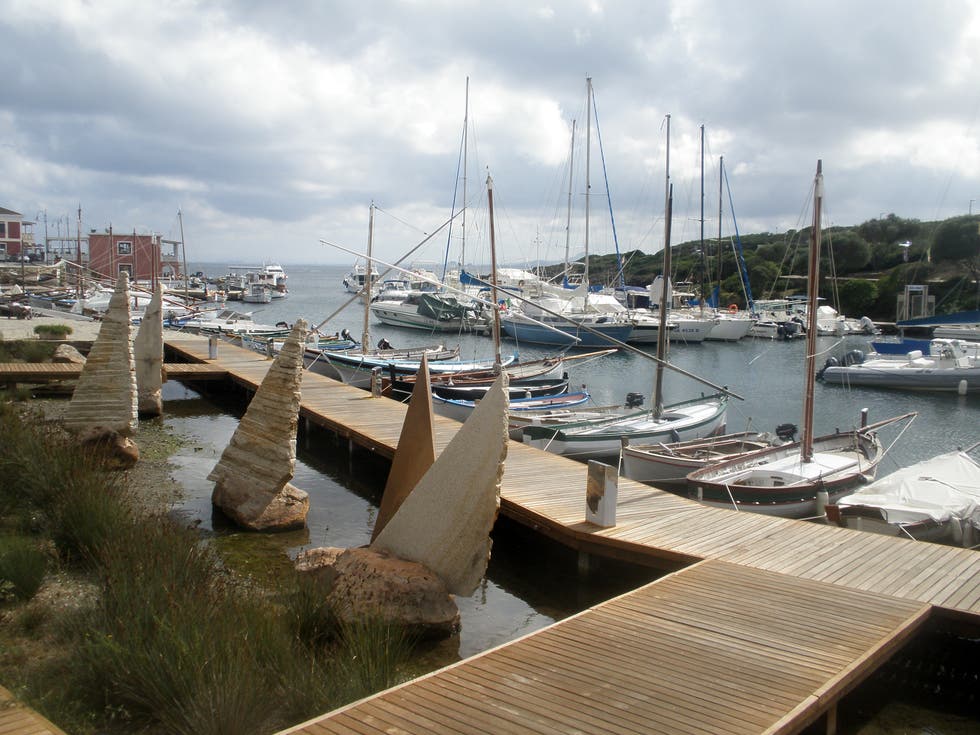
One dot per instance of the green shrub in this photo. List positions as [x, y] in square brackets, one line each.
[52, 331]
[22, 567]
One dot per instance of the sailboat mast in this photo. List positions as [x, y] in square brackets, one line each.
[658, 400]
[493, 280]
[183, 252]
[366, 295]
[704, 258]
[588, 182]
[658, 393]
[462, 222]
[721, 178]
[806, 445]
[568, 213]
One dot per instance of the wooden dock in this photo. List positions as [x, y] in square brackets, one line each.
[714, 648]
[16, 719]
[49, 372]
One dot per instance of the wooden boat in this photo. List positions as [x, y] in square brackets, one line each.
[788, 480]
[670, 463]
[937, 499]
[460, 409]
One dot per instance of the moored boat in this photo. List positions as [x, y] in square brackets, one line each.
[937, 499]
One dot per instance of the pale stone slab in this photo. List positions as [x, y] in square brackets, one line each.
[416, 449]
[445, 522]
[149, 357]
[252, 477]
[601, 493]
[106, 392]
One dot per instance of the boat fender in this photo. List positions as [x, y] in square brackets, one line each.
[733, 308]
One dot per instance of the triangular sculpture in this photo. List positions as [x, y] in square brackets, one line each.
[416, 449]
[104, 399]
[149, 357]
[252, 477]
[445, 522]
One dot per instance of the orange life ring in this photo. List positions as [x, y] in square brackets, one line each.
[733, 308]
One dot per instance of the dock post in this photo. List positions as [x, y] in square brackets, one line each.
[601, 493]
[213, 347]
[376, 382]
[832, 719]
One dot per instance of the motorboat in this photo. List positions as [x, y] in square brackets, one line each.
[952, 365]
[937, 499]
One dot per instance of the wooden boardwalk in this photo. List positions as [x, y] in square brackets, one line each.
[767, 625]
[16, 719]
[46, 372]
[715, 648]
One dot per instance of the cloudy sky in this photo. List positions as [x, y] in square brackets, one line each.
[273, 126]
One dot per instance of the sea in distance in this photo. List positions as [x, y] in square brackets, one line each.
[531, 583]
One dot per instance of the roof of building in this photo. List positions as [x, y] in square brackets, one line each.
[9, 212]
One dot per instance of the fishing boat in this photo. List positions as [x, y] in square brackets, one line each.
[668, 464]
[789, 479]
[937, 499]
[518, 408]
[951, 365]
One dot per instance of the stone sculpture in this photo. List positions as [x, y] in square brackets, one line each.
[252, 477]
[149, 357]
[103, 406]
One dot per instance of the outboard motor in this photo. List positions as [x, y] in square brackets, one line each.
[634, 400]
[786, 432]
[384, 344]
[853, 357]
[831, 362]
[345, 334]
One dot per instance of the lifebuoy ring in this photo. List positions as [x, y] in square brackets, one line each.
[733, 308]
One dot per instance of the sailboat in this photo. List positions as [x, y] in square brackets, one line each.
[558, 319]
[527, 396]
[601, 438]
[787, 480]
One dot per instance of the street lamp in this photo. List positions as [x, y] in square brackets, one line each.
[905, 250]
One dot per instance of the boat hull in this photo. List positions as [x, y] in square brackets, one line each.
[602, 439]
[776, 482]
[570, 334]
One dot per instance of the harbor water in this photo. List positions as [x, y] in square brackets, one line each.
[531, 583]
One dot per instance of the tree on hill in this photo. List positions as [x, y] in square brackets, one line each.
[849, 251]
[957, 239]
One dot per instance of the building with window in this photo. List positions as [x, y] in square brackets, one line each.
[11, 242]
[145, 257]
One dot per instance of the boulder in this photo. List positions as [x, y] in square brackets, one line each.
[119, 452]
[365, 583]
[66, 354]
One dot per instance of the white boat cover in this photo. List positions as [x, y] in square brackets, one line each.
[944, 488]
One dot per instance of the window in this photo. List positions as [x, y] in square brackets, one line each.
[124, 247]
[126, 268]
[3, 229]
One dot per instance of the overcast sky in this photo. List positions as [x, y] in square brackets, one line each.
[273, 126]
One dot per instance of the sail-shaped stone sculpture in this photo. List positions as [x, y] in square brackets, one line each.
[104, 400]
[252, 477]
[148, 349]
[416, 449]
[445, 522]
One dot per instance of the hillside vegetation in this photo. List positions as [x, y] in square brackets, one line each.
[863, 268]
